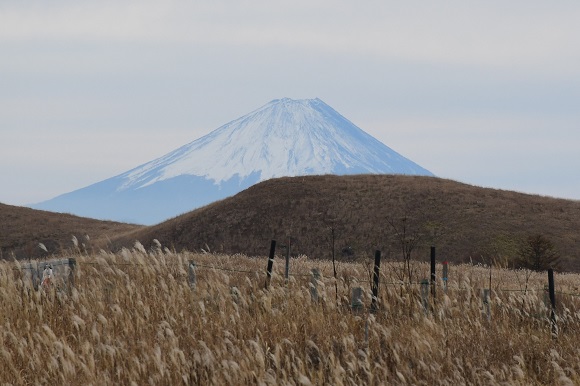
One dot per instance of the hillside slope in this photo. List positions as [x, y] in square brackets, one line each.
[22, 229]
[464, 222]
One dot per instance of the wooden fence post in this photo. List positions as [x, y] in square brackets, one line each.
[72, 265]
[485, 298]
[314, 285]
[191, 277]
[433, 277]
[376, 275]
[552, 291]
[366, 334]
[425, 295]
[547, 302]
[270, 263]
[36, 276]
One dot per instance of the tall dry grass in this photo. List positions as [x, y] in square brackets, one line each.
[133, 319]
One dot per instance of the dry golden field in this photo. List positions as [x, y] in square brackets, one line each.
[133, 319]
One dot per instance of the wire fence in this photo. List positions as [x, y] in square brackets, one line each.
[34, 270]
[390, 283]
[383, 281]
[414, 295]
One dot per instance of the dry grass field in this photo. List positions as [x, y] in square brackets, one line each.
[133, 319]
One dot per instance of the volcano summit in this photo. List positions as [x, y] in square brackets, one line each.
[283, 138]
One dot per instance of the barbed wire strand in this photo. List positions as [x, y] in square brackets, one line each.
[386, 283]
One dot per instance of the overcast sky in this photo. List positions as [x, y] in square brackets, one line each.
[486, 93]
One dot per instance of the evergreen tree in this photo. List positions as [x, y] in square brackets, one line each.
[538, 254]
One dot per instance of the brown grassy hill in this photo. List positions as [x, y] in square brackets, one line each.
[367, 212]
[22, 229]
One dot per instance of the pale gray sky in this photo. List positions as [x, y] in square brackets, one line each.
[486, 93]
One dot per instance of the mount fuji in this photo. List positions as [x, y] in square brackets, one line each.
[282, 138]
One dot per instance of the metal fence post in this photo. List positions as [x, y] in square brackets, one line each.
[356, 302]
[376, 273]
[314, 285]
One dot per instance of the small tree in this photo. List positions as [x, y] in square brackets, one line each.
[409, 237]
[538, 254]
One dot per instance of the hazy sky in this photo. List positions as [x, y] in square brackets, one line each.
[486, 93]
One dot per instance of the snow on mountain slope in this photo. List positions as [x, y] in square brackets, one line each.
[283, 138]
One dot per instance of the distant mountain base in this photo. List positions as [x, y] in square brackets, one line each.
[147, 205]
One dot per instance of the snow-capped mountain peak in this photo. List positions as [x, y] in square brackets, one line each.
[285, 137]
